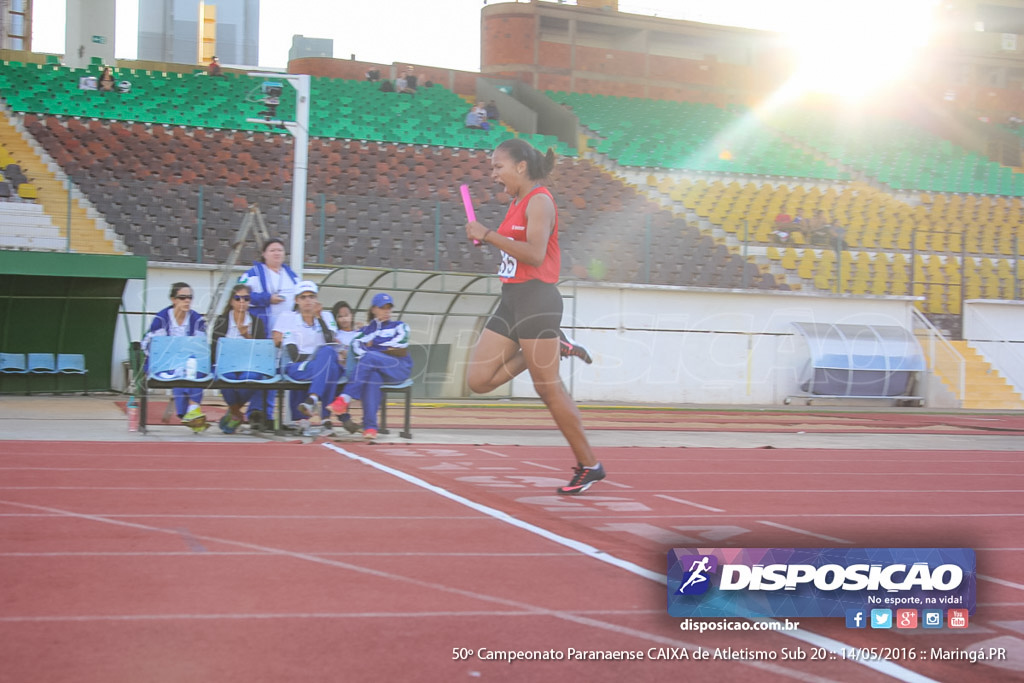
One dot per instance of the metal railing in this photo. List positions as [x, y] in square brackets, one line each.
[943, 359]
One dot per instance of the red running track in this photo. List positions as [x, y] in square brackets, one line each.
[282, 562]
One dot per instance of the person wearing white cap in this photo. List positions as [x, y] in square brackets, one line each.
[307, 338]
[383, 351]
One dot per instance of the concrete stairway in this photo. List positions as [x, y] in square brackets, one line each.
[985, 388]
[86, 235]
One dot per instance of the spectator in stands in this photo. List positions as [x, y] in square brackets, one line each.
[214, 68]
[783, 227]
[477, 118]
[179, 320]
[237, 323]
[402, 85]
[373, 75]
[106, 82]
[273, 293]
[799, 223]
[387, 86]
[491, 109]
[428, 83]
[410, 79]
[822, 230]
[307, 337]
[382, 347]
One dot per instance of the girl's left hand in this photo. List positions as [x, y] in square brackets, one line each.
[475, 230]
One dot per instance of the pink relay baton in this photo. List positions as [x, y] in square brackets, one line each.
[467, 203]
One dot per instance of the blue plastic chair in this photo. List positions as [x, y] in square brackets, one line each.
[247, 355]
[42, 364]
[71, 364]
[168, 355]
[13, 364]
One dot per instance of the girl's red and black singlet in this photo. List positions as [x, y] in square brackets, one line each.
[514, 227]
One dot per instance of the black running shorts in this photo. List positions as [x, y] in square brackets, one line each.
[527, 310]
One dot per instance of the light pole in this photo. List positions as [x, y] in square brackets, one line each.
[299, 129]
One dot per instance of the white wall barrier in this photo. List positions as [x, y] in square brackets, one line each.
[651, 344]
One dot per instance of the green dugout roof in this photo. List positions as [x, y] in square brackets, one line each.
[72, 265]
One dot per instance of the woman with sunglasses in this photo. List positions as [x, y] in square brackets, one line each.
[179, 320]
[237, 323]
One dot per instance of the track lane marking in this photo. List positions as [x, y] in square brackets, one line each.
[688, 502]
[525, 607]
[885, 667]
[804, 532]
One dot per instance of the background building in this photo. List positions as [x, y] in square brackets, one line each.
[169, 31]
[16, 25]
[310, 47]
[90, 32]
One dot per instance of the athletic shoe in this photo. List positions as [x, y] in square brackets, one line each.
[339, 406]
[193, 413]
[370, 435]
[257, 421]
[568, 347]
[228, 424]
[195, 420]
[351, 426]
[326, 429]
[581, 480]
[310, 408]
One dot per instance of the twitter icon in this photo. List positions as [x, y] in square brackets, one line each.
[881, 618]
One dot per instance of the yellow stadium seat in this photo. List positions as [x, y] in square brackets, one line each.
[28, 191]
[789, 259]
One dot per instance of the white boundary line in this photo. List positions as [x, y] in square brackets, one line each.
[525, 608]
[804, 532]
[688, 502]
[884, 667]
[1002, 582]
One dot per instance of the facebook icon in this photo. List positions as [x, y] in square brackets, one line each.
[856, 618]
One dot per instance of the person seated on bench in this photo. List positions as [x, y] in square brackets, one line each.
[237, 323]
[345, 317]
[308, 339]
[382, 347]
[179, 320]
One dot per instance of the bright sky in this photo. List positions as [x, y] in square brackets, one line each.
[446, 33]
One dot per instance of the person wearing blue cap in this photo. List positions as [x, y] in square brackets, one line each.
[382, 348]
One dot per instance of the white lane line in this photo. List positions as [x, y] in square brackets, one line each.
[883, 666]
[546, 467]
[398, 578]
[1002, 582]
[688, 502]
[606, 482]
[500, 455]
[805, 532]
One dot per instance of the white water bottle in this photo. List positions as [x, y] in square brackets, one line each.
[190, 367]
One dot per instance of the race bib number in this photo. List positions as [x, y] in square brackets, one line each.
[509, 266]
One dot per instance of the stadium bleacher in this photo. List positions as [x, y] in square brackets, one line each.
[173, 160]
